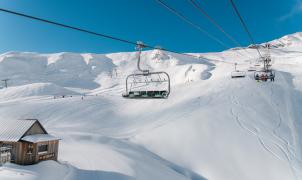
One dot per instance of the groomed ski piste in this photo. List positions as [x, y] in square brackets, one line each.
[211, 126]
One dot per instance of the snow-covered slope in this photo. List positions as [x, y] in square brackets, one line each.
[211, 127]
[35, 89]
[289, 40]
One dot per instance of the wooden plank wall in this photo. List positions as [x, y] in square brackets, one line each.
[21, 156]
[52, 154]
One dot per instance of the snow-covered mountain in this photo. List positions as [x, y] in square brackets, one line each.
[292, 40]
[289, 40]
[211, 126]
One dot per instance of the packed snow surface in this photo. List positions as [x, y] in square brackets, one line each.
[211, 126]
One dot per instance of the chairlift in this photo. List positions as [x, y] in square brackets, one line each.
[264, 75]
[237, 73]
[266, 72]
[139, 90]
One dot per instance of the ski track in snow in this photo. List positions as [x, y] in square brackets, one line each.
[281, 143]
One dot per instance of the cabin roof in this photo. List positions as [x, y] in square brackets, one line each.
[39, 138]
[14, 130]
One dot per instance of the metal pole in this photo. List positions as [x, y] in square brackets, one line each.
[5, 82]
[140, 46]
[264, 64]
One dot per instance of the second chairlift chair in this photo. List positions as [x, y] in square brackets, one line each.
[237, 73]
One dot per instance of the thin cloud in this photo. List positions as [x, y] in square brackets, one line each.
[296, 9]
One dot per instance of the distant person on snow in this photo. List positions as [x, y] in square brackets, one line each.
[257, 77]
[272, 77]
[265, 77]
[262, 77]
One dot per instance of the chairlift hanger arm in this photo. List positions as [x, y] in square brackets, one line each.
[139, 47]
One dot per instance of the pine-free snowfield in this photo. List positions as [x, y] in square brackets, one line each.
[211, 127]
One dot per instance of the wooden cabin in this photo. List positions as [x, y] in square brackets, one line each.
[26, 142]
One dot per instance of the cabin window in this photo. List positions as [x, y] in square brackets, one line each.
[30, 149]
[42, 148]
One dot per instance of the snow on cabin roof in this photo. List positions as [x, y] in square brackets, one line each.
[39, 138]
[13, 130]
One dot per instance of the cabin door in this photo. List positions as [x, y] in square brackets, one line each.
[29, 154]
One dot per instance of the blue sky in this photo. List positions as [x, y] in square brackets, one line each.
[142, 20]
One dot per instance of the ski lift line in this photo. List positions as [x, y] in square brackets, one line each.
[96, 34]
[184, 18]
[245, 26]
[67, 26]
[200, 9]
